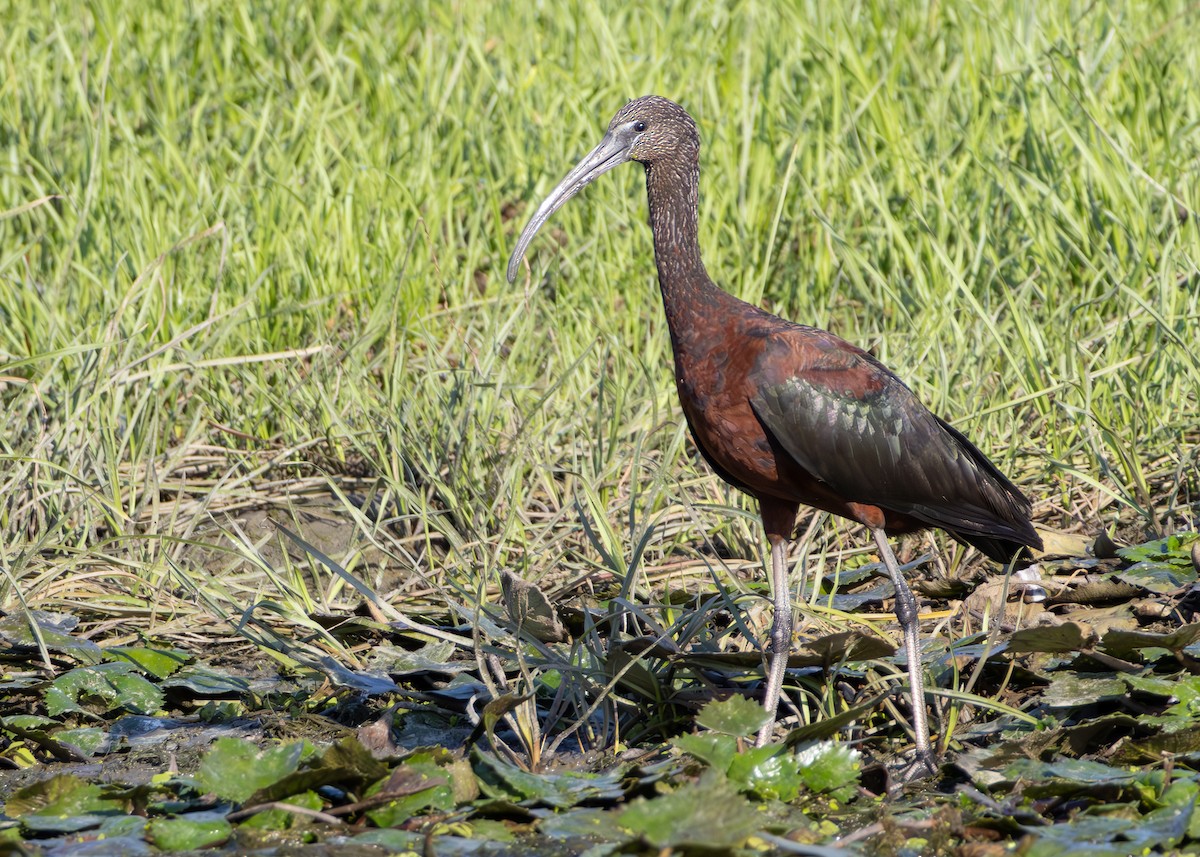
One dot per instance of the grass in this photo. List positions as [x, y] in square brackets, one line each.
[253, 259]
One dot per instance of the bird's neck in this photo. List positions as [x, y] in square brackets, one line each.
[673, 193]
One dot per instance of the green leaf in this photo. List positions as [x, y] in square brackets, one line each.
[1157, 576]
[186, 834]
[435, 657]
[1173, 549]
[351, 754]
[736, 716]
[1124, 644]
[1071, 691]
[28, 721]
[403, 842]
[709, 814]
[234, 769]
[88, 740]
[205, 681]
[770, 772]
[1065, 637]
[284, 819]
[563, 790]
[62, 795]
[1067, 776]
[829, 768]
[597, 824]
[53, 629]
[712, 748]
[417, 786]
[106, 686]
[159, 663]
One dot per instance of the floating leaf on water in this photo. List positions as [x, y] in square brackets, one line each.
[433, 657]
[109, 686]
[1079, 740]
[89, 740]
[283, 818]
[54, 629]
[186, 833]
[206, 681]
[1132, 832]
[1182, 741]
[159, 663]
[28, 721]
[234, 769]
[1183, 691]
[44, 825]
[502, 780]
[394, 841]
[1174, 549]
[1062, 775]
[1157, 576]
[1073, 691]
[1125, 644]
[345, 764]
[708, 814]
[349, 753]
[597, 824]
[61, 795]
[1064, 637]
[416, 787]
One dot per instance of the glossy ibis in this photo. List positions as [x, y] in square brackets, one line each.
[792, 414]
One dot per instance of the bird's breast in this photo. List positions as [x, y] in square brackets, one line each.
[714, 393]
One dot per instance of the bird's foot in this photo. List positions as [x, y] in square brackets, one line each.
[914, 769]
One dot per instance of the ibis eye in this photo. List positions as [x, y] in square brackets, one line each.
[639, 126]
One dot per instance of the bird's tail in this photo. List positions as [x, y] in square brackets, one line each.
[1004, 550]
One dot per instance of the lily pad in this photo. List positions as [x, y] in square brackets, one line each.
[106, 686]
[1173, 549]
[416, 787]
[433, 657]
[1072, 691]
[1125, 644]
[188, 832]
[205, 681]
[1065, 637]
[159, 663]
[54, 631]
[499, 779]
[708, 814]
[1157, 576]
[235, 769]
[62, 796]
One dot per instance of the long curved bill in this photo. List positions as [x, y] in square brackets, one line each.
[611, 152]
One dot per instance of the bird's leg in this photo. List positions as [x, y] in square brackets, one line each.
[781, 634]
[906, 612]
